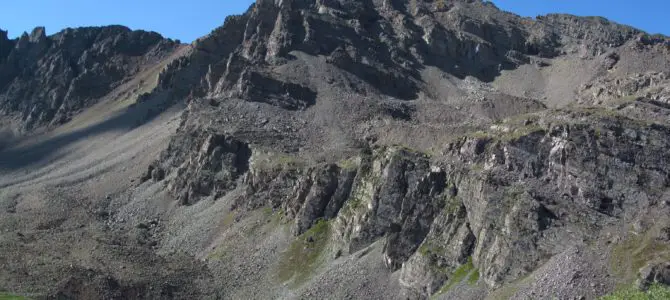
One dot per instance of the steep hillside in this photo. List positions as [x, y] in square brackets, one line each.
[46, 80]
[313, 149]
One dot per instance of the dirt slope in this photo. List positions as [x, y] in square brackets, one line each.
[351, 150]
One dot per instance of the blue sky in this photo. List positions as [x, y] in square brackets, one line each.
[177, 19]
[648, 15]
[187, 20]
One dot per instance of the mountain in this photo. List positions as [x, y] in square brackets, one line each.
[338, 149]
[46, 80]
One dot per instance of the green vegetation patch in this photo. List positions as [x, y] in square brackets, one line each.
[220, 253]
[428, 248]
[302, 257]
[267, 211]
[655, 292]
[452, 204]
[458, 275]
[278, 161]
[480, 134]
[521, 132]
[349, 164]
[512, 133]
[602, 112]
[229, 219]
[5, 296]
[614, 114]
[474, 277]
[635, 252]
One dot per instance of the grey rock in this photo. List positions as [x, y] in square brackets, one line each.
[46, 80]
[203, 164]
[509, 200]
[429, 136]
[258, 88]
[657, 273]
[324, 183]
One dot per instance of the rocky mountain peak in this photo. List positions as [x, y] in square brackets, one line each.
[38, 35]
[464, 38]
[341, 149]
[45, 80]
[317, 81]
[5, 45]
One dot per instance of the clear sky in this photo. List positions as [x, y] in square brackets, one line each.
[648, 15]
[190, 19]
[177, 19]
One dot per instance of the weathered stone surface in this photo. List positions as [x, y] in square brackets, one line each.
[202, 164]
[258, 88]
[651, 86]
[447, 246]
[324, 184]
[381, 44]
[569, 175]
[47, 79]
[658, 273]
[478, 150]
[507, 199]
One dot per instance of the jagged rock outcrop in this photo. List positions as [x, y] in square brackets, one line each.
[503, 201]
[383, 43]
[201, 164]
[508, 199]
[396, 194]
[651, 86]
[45, 80]
[5, 46]
[659, 273]
[599, 32]
[306, 195]
[521, 194]
[378, 149]
[255, 87]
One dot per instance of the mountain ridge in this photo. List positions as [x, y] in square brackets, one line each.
[354, 149]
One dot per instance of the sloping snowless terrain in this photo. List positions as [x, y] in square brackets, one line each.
[374, 149]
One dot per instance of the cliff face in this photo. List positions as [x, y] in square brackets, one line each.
[378, 149]
[461, 170]
[45, 80]
[385, 43]
[505, 201]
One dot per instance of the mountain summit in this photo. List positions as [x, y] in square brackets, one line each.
[338, 149]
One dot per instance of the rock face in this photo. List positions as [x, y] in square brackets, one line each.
[445, 149]
[398, 195]
[258, 88]
[205, 164]
[659, 273]
[504, 198]
[45, 80]
[5, 46]
[383, 42]
[507, 200]
[651, 86]
[556, 175]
